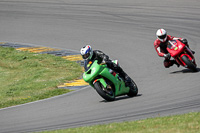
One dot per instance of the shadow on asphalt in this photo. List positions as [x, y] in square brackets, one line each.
[185, 71]
[121, 98]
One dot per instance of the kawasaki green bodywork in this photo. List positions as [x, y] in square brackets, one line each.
[100, 72]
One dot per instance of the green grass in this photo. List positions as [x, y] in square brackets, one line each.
[186, 123]
[27, 77]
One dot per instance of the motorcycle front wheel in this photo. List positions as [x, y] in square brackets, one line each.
[189, 63]
[108, 95]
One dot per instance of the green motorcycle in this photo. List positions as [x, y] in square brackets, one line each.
[107, 82]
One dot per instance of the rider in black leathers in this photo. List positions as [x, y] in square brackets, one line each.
[88, 54]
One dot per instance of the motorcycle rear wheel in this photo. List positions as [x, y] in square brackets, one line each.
[189, 63]
[107, 95]
[133, 89]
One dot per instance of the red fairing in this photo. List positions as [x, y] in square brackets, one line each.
[177, 50]
[157, 43]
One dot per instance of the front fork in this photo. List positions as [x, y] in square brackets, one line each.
[106, 86]
[187, 52]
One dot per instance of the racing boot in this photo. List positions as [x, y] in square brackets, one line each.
[193, 52]
[122, 74]
[126, 78]
[183, 40]
[127, 81]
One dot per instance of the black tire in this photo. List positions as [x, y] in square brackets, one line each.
[189, 63]
[108, 96]
[133, 89]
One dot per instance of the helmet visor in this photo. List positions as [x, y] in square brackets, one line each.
[85, 56]
[162, 37]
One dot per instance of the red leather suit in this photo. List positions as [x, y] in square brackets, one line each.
[161, 49]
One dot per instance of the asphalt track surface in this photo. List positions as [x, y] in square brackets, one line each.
[123, 29]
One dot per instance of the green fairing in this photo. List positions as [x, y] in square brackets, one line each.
[103, 82]
[103, 74]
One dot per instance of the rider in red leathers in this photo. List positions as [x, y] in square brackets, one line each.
[160, 45]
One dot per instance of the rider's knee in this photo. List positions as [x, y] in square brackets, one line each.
[167, 64]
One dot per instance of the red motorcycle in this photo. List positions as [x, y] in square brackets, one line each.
[182, 54]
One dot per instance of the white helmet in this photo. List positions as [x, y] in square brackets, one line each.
[86, 52]
[161, 35]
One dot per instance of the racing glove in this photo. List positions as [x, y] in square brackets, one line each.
[167, 55]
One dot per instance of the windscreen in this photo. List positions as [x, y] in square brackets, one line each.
[87, 64]
[171, 44]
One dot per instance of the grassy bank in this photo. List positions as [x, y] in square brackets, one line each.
[186, 123]
[27, 77]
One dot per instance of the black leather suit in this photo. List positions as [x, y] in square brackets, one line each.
[100, 56]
